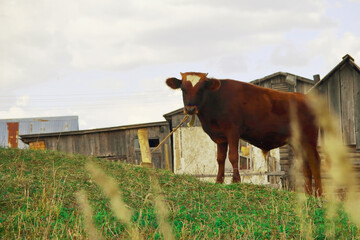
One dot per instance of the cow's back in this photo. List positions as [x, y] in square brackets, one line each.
[259, 115]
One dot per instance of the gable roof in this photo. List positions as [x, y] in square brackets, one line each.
[167, 116]
[27, 137]
[346, 59]
[285, 74]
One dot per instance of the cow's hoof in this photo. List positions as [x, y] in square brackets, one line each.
[220, 181]
[236, 180]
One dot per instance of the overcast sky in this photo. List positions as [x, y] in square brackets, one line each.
[106, 61]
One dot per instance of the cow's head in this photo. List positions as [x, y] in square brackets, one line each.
[194, 87]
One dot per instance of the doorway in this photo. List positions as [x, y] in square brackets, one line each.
[13, 134]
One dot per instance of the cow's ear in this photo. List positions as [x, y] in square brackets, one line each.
[213, 84]
[174, 83]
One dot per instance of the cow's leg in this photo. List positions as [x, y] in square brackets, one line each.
[221, 157]
[234, 159]
[307, 177]
[305, 168]
[314, 163]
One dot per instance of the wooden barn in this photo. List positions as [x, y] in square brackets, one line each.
[195, 153]
[117, 143]
[341, 89]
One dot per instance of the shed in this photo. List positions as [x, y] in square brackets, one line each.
[10, 129]
[195, 153]
[117, 143]
[341, 90]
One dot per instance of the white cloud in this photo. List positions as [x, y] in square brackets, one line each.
[233, 64]
[288, 55]
[332, 47]
[13, 112]
[56, 47]
[23, 101]
[45, 37]
[13, 109]
[108, 83]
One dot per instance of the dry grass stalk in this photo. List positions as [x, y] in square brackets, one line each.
[296, 173]
[87, 213]
[118, 206]
[340, 167]
[297, 167]
[162, 211]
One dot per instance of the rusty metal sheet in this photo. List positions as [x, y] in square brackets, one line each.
[13, 134]
[40, 145]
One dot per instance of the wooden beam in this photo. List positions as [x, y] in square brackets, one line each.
[277, 173]
[167, 163]
[144, 148]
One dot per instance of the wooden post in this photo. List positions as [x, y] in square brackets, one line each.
[167, 164]
[274, 169]
[144, 148]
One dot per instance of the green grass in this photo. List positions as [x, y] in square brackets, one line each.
[38, 200]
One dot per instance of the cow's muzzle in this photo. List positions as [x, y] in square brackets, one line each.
[191, 110]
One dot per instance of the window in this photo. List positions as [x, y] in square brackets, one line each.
[244, 155]
[153, 142]
[244, 163]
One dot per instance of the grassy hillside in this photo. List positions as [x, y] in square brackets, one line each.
[38, 200]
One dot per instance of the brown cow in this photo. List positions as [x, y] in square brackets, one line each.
[229, 110]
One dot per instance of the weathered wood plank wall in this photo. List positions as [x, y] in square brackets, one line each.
[333, 95]
[115, 144]
[347, 104]
[357, 108]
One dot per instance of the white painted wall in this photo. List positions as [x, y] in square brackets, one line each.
[260, 166]
[195, 154]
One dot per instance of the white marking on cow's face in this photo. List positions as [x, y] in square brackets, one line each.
[194, 79]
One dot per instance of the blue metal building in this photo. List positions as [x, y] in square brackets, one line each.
[10, 129]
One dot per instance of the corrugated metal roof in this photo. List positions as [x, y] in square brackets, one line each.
[346, 59]
[167, 116]
[303, 79]
[98, 130]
